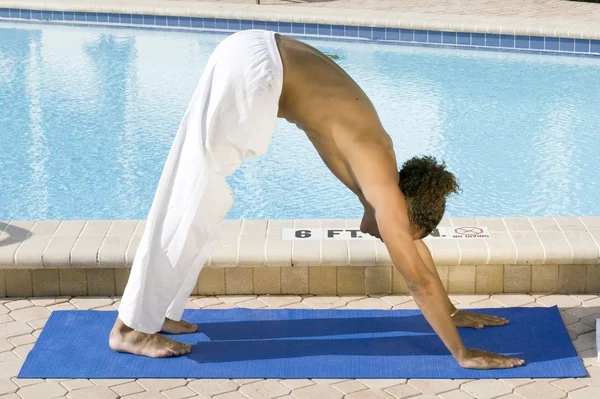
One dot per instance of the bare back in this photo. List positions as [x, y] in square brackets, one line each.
[337, 116]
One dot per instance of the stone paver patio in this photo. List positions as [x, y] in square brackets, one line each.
[21, 321]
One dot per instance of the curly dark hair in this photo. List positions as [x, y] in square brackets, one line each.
[425, 184]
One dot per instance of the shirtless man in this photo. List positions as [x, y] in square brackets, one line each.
[252, 78]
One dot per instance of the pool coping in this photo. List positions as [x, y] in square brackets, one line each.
[461, 31]
[94, 257]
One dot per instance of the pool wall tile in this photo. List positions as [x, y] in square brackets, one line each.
[365, 32]
[434, 37]
[592, 278]
[595, 46]
[211, 281]
[566, 44]
[239, 281]
[421, 36]
[461, 279]
[350, 280]
[492, 40]
[379, 34]
[582, 46]
[507, 41]
[392, 34]
[551, 43]
[489, 279]
[544, 279]
[522, 42]
[449, 37]
[478, 39]
[463, 38]
[407, 35]
[536, 42]
[19, 283]
[294, 280]
[267, 281]
[322, 280]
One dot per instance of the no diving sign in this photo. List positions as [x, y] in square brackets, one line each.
[306, 234]
[461, 232]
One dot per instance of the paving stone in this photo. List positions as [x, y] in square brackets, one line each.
[252, 304]
[585, 341]
[45, 390]
[540, 390]
[14, 329]
[486, 389]
[370, 394]
[230, 395]
[278, 301]
[317, 391]
[61, 306]
[433, 387]
[595, 302]
[402, 391]
[45, 302]
[467, 299]
[213, 387]
[579, 328]
[265, 389]
[5, 345]
[517, 382]
[4, 318]
[11, 396]
[582, 312]
[179, 393]
[298, 305]
[327, 381]
[25, 382]
[236, 298]
[244, 381]
[90, 303]
[94, 392]
[4, 310]
[110, 382]
[18, 304]
[512, 300]
[38, 323]
[457, 394]
[295, 384]
[71, 385]
[22, 340]
[585, 393]
[146, 395]
[349, 386]
[407, 305]
[128, 389]
[486, 303]
[381, 384]
[369, 303]
[396, 299]
[23, 350]
[562, 301]
[203, 302]
[569, 384]
[568, 318]
[161, 384]
[29, 314]
[7, 386]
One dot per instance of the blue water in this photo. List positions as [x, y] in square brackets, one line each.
[88, 114]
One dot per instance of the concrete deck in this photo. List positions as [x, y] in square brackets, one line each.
[21, 321]
[532, 17]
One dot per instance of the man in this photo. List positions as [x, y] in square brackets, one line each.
[251, 79]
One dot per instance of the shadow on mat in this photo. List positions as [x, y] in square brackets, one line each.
[382, 337]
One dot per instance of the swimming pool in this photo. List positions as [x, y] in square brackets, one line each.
[87, 116]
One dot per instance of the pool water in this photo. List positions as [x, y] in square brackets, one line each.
[88, 114]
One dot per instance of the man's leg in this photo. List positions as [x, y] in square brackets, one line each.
[173, 323]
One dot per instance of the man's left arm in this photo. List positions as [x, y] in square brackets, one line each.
[461, 319]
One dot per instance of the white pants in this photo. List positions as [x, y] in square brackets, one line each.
[230, 118]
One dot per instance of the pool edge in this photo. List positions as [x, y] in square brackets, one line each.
[524, 255]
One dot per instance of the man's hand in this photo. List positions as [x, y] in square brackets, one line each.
[482, 360]
[476, 320]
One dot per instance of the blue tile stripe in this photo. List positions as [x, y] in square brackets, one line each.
[378, 34]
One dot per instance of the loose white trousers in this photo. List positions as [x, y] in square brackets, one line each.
[230, 118]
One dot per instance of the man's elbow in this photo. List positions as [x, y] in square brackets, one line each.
[419, 284]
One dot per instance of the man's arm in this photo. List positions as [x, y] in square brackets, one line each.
[425, 255]
[374, 167]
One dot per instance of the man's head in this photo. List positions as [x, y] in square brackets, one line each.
[425, 184]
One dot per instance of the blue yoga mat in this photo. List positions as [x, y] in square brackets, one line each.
[299, 343]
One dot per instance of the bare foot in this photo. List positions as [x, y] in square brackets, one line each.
[178, 327]
[125, 339]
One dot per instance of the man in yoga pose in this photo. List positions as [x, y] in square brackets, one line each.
[251, 79]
